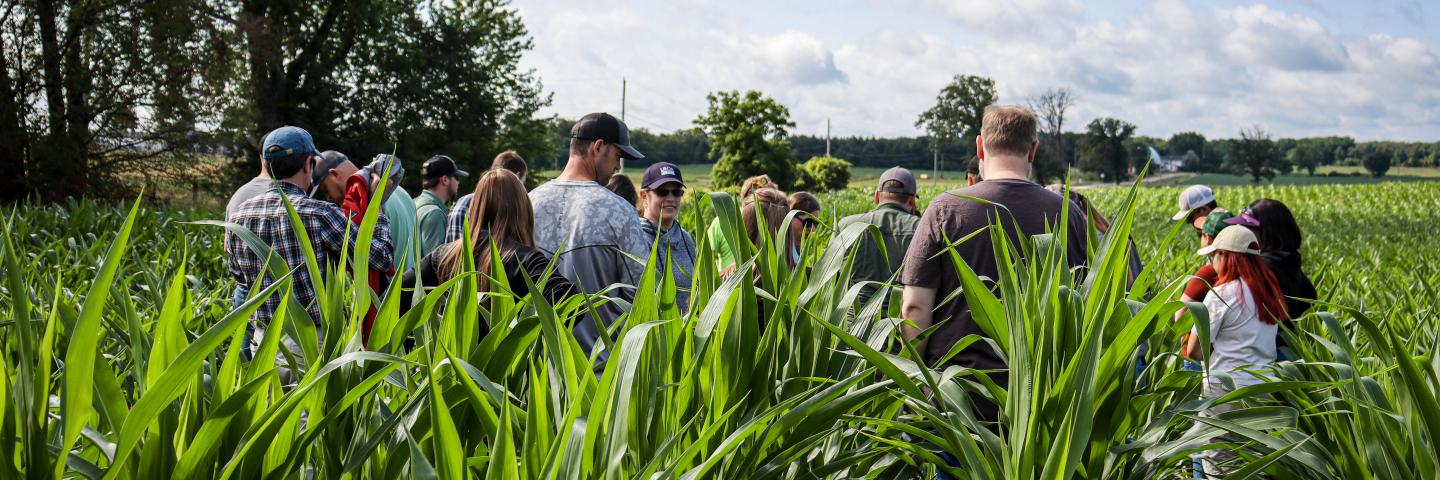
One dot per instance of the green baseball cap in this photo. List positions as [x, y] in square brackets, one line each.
[1215, 222]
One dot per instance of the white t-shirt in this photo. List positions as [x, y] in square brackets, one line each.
[1238, 339]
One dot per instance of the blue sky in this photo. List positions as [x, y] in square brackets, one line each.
[1299, 68]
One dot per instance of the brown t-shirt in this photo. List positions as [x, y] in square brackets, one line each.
[1031, 206]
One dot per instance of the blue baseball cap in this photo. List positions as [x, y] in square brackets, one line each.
[290, 140]
[659, 174]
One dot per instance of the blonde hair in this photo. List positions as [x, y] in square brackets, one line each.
[753, 183]
[1008, 129]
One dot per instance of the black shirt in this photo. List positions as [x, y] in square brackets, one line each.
[520, 260]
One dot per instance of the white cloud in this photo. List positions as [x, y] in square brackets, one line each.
[1171, 66]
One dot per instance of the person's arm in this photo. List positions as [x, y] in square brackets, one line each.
[382, 247]
[918, 306]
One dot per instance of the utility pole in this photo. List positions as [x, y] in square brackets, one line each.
[827, 137]
[935, 175]
[622, 98]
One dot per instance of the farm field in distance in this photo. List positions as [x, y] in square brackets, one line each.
[809, 390]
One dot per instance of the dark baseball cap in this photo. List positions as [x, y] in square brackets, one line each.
[441, 166]
[603, 126]
[659, 174]
[290, 140]
[902, 175]
[327, 160]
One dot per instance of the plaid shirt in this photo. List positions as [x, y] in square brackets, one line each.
[266, 217]
[455, 224]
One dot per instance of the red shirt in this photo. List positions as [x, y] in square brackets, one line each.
[357, 200]
[1200, 285]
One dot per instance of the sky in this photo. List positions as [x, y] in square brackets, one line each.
[1367, 69]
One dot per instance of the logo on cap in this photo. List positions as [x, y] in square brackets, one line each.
[667, 171]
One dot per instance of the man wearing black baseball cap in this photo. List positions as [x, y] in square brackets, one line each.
[597, 228]
[442, 184]
[661, 191]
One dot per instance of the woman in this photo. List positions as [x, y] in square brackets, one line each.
[622, 186]
[661, 191]
[1280, 240]
[809, 206]
[1245, 309]
[770, 206]
[724, 254]
[501, 214]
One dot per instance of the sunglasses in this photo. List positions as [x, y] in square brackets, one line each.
[670, 192]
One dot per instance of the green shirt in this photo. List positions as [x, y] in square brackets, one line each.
[430, 213]
[400, 210]
[724, 255]
[897, 226]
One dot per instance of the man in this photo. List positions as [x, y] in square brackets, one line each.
[1195, 202]
[455, 225]
[362, 190]
[1006, 148]
[442, 184]
[661, 190]
[894, 215]
[596, 228]
[972, 172]
[249, 190]
[290, 153]
[327, 179]
[400, 210]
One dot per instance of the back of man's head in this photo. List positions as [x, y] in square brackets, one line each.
[287, 166]
[1008, 130]
[511, 161]
[890, 192]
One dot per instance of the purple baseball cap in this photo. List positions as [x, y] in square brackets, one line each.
[659, 174]
[1244, 219]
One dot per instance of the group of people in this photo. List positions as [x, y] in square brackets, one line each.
[585, 221]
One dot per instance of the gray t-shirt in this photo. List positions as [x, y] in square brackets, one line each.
[600, 235]
[249, 190]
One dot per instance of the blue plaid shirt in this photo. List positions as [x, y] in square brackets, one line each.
[455, 224]
[266, 217]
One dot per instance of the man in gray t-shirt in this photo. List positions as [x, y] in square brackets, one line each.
[249, 190]
[592, 231]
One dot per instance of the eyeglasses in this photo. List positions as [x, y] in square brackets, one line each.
[670, 192]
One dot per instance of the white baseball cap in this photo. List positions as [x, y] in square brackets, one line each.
[1192, 198]
[1234, 238]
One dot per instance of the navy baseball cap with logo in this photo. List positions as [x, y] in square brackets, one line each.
[290, 140]
[659, 174]
[603, 126]
[441, 166]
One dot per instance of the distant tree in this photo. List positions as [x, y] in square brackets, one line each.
[1306, 156]
[958, 111]
[1104, 148]
[1375, 160]
[824, 174]
[1192, 160]
[747, 133]
[1254, 154]
[1050, 108]
[1182, 142]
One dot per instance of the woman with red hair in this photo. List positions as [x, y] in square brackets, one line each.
[1245, 310]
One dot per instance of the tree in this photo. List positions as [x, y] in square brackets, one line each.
[824, 174]
[1375, 160]
[1050, 109]
[1104, 148]
[1183, 142]
[747, 137]
[1254, 154]
[958, 112]
[1306, 156]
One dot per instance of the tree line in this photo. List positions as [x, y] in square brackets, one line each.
[97, 98]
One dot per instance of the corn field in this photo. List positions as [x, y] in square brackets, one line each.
[120, 360]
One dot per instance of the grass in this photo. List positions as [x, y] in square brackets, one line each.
[118, 359]
[1330, 175]
[698, 175]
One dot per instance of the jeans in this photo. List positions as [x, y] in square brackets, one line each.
[241, 292]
